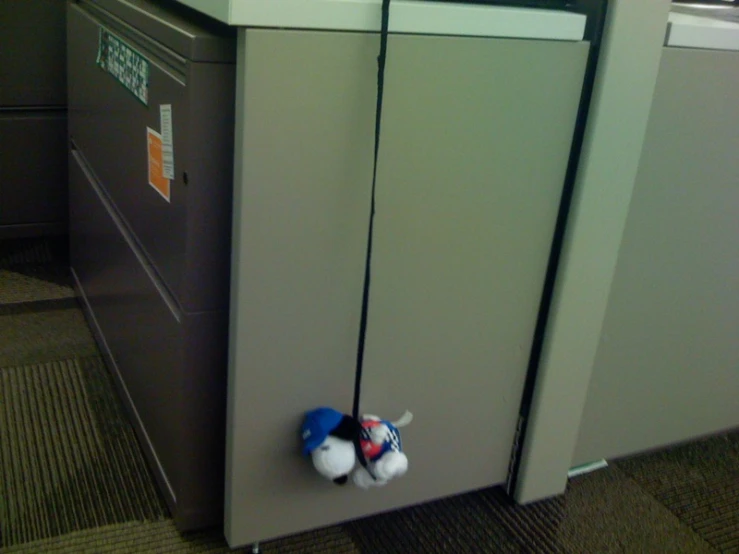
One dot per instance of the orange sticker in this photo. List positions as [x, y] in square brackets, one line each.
[156, 179]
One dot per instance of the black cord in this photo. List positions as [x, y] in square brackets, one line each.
[368, 259]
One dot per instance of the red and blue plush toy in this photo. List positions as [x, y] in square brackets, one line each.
[336, 442]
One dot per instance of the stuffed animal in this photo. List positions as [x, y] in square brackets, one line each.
[336, 442]
[382, 449]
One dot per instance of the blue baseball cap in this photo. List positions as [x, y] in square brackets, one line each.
[317, 425]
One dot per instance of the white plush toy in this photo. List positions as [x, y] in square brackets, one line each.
[336, 442]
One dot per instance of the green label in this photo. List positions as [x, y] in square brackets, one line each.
[124, 63]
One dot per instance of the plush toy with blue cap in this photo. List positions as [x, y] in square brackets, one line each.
[336, 442]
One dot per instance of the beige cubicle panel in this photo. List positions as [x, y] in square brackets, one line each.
[624, 84]
[475, 145]
[667, 366]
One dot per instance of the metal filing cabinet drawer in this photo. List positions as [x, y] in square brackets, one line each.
[33, 167]
[32, 70]
[152, 264]
[168, 365]
[33, 118]
[185, 236]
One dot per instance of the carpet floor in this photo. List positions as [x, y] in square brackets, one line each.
[73, 478]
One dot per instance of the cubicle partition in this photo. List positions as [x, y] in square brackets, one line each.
[667, 366]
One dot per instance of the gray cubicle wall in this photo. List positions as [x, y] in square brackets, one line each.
[667, 368]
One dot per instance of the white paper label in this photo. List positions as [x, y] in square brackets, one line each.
[165, 123]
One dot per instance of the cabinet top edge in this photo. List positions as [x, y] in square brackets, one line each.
[406, 16]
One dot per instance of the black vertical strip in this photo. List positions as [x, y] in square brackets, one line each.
[368, 259]
[596, 11]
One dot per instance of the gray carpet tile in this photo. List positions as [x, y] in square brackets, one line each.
[462, 524]
[73, 478]
[30, 273]
[23, 252]
[161, 537]
[30, 286]
[602, 512]
[607, 512]
[699, 483]
[533, 526]
[31, 334]
[69, 459]
[34, 269]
